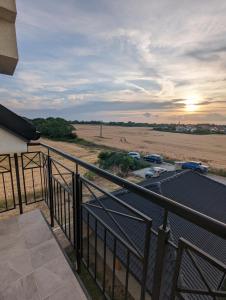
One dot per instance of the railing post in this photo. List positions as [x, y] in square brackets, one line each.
[77, 199]
[146, 259]
[163, 235]
[18, 182]
[50, 187]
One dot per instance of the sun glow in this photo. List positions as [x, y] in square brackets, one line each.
[191, 103]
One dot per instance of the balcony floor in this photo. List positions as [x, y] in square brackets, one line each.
[32, 265]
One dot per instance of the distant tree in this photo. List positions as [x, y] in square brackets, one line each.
[54, 128]
[119, 162]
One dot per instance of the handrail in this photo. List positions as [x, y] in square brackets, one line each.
[210, 224]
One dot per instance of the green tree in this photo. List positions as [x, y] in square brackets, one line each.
[119, 162]
[54, 127]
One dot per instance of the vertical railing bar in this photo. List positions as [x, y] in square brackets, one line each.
[113, 271]
[78, 213]
[88, 240]
[12, 183]
[146, 259]
[105, 250]
[163, 236]
[65, 217]
[44, 178]
[50, 190]
[4, 188]
[177, 270]
[23, 176]
[33, 184]
[41, 174]
[59, 202]
[69, 216]
[127, 273]
[18, 182]
[82, 231]
[95, 249]
[54, 197]
[74, 210]
[61, 212]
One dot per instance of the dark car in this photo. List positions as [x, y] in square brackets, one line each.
[196, 166]
[154, 158]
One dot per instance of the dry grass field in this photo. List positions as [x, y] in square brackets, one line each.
[210, 149]
[88, 154]
[85, 153]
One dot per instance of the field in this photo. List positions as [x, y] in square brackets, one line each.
[88, 154]
[210, 149]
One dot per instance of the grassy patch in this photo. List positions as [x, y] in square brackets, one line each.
[220, 172]
[82, 142]
[90, 175]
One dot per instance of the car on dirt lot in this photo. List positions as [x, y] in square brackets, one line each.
[135, 155]
[196, 166]
[154, 158]
[154, 172]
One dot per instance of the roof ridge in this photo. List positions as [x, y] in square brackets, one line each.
[211, 179]
[175, 175]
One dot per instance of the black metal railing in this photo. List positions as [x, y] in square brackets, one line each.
[126, 252]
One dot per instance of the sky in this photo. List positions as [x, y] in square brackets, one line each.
[120, 60]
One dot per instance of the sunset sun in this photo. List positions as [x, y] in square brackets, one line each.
[191, 104]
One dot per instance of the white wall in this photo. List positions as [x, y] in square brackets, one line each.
[10, 143]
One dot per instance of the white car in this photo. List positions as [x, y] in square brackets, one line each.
[155, 172]
[135, 155]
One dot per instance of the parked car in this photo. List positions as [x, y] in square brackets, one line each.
[154, 158]
[196, 166]
[135, 155]
[155, 172]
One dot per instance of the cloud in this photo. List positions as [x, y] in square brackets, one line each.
[101, 57]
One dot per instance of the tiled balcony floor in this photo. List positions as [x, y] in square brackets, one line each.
[32, 266]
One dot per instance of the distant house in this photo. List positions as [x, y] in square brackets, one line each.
[188, 188]
[181, 128]
[15, 132]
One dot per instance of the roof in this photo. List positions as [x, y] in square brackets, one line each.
[191, 189]
[17, 125]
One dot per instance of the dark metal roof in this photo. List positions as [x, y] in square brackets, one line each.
[17, 125]
[191, 189]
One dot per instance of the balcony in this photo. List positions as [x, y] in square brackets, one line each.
[126, 252]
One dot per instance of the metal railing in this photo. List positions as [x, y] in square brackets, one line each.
[126, 255]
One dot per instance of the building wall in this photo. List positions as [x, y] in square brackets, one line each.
[8, 44]
[10, 143]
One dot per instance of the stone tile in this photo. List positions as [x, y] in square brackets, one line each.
[44, 253]
[27, 288]
[21, 263]
[59, 266]
[30, 218]
[36, 234]
[9, 226]
[67, 292]
[23, 289]
[47, 281]
[9, 293]
[11, 246]
[34, 267]
[7, 275]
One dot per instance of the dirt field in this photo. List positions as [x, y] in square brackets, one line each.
[210, 149]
